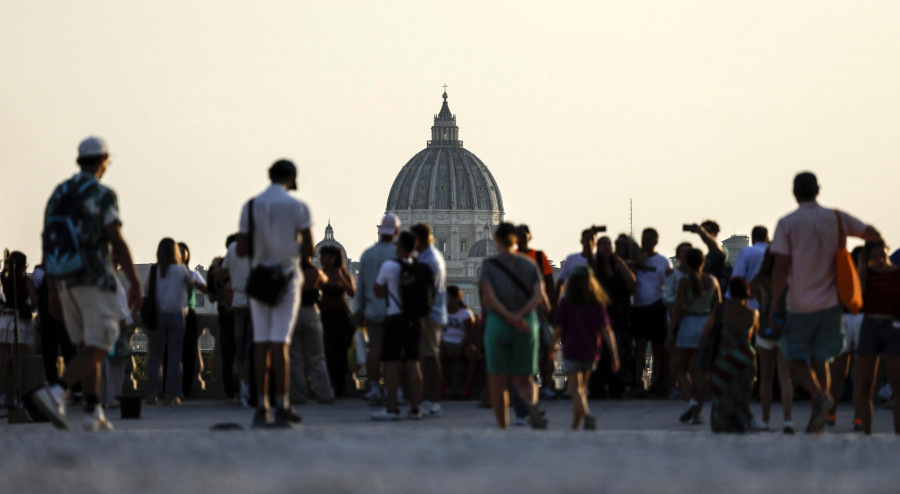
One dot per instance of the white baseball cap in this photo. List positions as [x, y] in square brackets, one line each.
[92, 146]
[390, 224]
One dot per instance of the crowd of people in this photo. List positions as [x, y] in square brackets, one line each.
[285, 325]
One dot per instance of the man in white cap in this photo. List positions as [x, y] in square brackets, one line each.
[370, 310]
[81, 227]
[270, 225]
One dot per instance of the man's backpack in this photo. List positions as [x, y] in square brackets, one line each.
[64, 238]
[416, 289]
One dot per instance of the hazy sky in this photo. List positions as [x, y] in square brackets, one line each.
[692, 109]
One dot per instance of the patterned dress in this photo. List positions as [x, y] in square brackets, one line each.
[731, 380]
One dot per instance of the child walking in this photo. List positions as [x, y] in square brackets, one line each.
[582, 322]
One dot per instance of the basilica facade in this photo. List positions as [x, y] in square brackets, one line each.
[446, 186]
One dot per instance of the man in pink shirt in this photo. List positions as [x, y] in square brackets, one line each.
[804, 245]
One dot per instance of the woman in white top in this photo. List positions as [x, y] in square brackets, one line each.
[458, 339]
[173, 281]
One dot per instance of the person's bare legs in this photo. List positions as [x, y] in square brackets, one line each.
[786, 384]
[640, 356]
[499, 391]
[893, 370]
[806, 378]
[839, 373]
[431, 372]
[527, 388]
[680, 360]
[578, 388]
[868, 367]
[261, 366]
[414, 382]
[766, 376]
[281, 367]
[85, 367]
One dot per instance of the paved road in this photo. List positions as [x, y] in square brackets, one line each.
[639, 447]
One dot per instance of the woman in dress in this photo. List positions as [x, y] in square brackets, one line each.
[337, 322]
[731, 379]
[698, 295]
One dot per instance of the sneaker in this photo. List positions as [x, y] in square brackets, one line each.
[384, 415]
[548, 393]
[400, 399]
[414, 414]
[287, 416]
[819, 412]
[590, 423]
[373, 395]
[431, 409]
[764, 427]
[52, 402]
[96, 421]
[788, 429]
[261, 417]
[696, 418]
[173, 401]
[688, 413]
[520, 421]
[857, 425]
[830, 419]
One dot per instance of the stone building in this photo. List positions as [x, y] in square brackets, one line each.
[452, 190]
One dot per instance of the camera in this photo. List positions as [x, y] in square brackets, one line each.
[686, 227]
[598, 229]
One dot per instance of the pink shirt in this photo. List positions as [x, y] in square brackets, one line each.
[809, 236]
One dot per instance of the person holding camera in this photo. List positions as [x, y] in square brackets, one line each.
[270, 225]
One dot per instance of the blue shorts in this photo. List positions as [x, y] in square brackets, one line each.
[813, 335]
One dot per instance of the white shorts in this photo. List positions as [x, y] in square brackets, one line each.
[275, 324]
[852, 326]
[8, 322]
[91, 315]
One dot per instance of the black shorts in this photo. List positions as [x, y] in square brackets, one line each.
[879, 335]
[649, 322]
[400, 339]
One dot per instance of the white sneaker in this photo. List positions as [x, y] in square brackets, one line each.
[51, 399]
[411, 415]
[96, 421]
[373, 394]
[430, 409]
[384, 415]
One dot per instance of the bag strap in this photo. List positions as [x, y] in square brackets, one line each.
[511, 276]
[388, 290]
[842, 238]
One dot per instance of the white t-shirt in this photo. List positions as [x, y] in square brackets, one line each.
[239, 269]
[455, 330]
[651, 276]
[572, 261]
[389, 277]
[278, 218]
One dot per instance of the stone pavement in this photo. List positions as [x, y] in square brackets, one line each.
[639, 447]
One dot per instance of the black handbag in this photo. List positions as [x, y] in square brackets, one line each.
[266, 284]
[148, 304]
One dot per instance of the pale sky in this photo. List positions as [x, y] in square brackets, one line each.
[692, 109]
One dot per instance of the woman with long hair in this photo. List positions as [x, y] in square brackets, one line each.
[17, 312]
[880, 332]
[190, 352]
[617, 281]
[173, 281]
[511, 287]
[307, 351]
[731, 378]
[698, 296]
[582, 322]
[337, 322]
[768, 348]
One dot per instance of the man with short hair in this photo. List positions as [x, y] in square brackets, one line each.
[401, 334]
[804, 246]
[545, 363]
[88, 296]
[278, 219]
[750, 259]
[648, 317]
[430, 343]
[717, 257]
[370, 311]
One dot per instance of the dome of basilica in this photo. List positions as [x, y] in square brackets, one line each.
[444, 175]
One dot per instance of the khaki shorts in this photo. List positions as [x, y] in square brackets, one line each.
[430, 342]
[91, 315]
